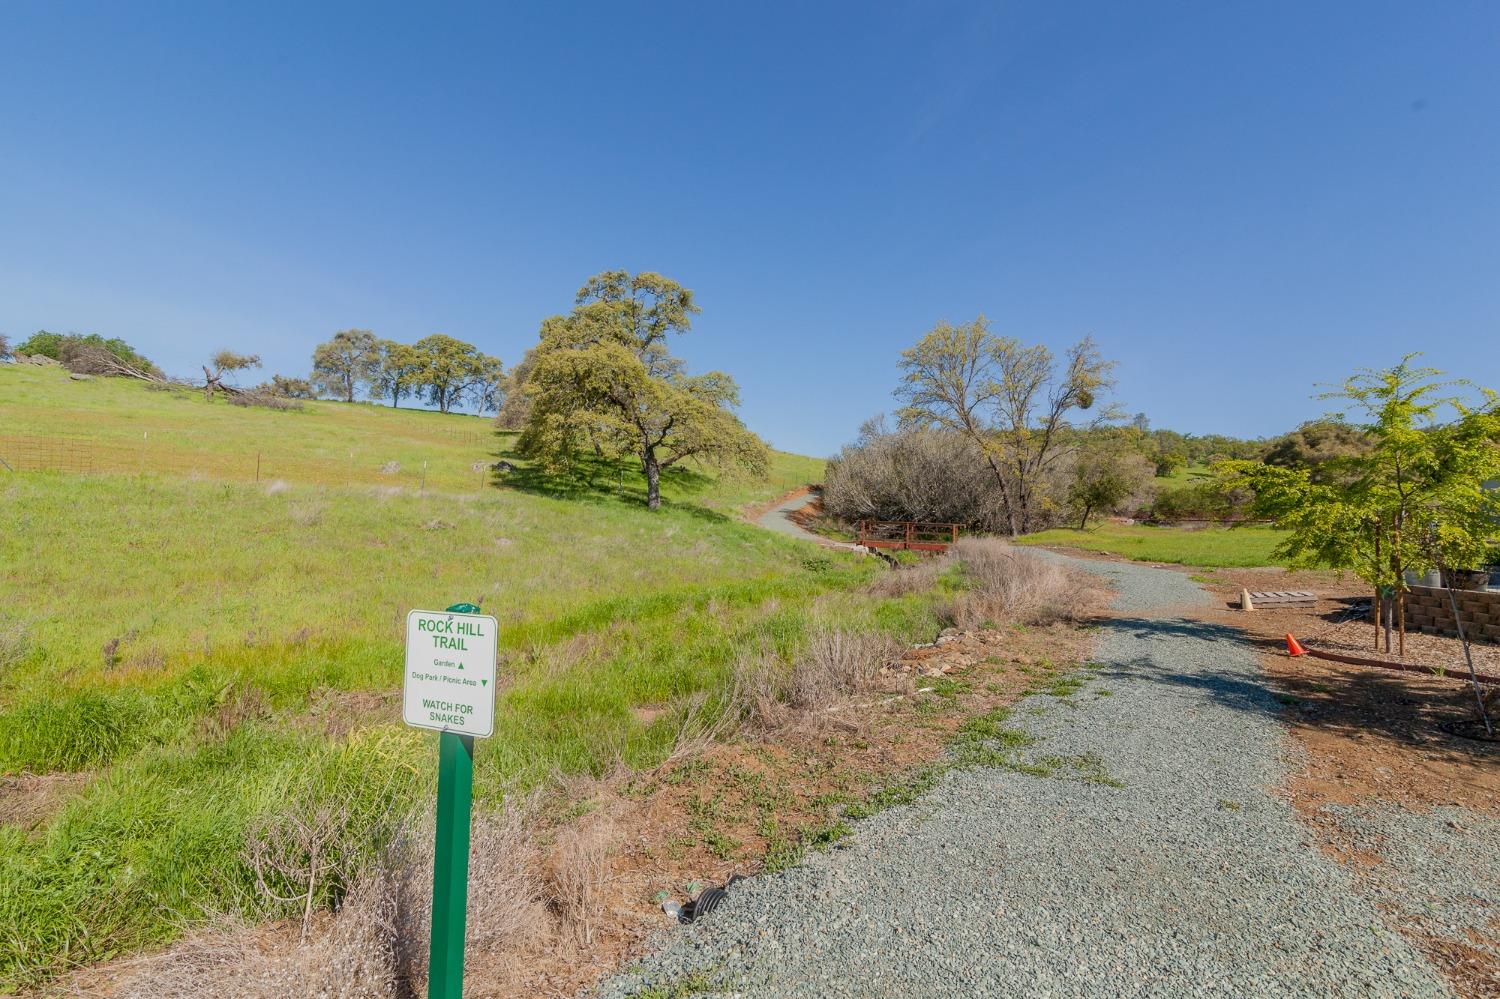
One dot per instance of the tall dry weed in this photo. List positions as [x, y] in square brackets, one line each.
[374, 946]
[908, 579]
[1008, 585]
[835, 664]
[579, 870]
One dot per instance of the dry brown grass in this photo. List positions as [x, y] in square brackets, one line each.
[15, 642]
[530, 894]
[758, 688]
[27, 800]
[1008, 585]
[835, 665]
[908, 579]
[579, 870]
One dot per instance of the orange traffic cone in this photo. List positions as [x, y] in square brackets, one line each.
[1293, 648]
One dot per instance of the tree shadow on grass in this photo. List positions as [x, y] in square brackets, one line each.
[599, 480]
[1405, 709]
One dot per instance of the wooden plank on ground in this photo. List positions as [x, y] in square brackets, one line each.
[1281, 598]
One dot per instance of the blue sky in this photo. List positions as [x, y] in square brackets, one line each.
[1237, 201]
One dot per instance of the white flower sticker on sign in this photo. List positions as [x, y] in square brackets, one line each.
[450, 672]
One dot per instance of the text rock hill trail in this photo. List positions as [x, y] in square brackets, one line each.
[1193, 878]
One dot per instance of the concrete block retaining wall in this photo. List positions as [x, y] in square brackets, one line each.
[1428, 610]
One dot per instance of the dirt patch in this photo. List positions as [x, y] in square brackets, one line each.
[754, 513]
[28, 800]
[1471, 970]
[809, 515]
[1368, 735]
[1367, 732]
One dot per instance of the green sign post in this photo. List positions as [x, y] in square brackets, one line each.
[450, 686]
[450, 866]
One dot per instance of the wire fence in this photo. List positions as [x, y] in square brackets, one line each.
[83, 454]
[35, 453]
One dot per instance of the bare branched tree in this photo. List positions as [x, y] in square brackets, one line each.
[224, 363]
[1013, 401]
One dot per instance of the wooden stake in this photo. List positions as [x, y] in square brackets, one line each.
[1400, 584]
[1469, 658]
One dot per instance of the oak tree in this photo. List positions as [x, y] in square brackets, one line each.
[345, 363]
[602, 378]
[396, 376]
[449, 370]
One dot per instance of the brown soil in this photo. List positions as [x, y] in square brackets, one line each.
[807, 517]
[1368, 734]
[753, 513]
[28, 800]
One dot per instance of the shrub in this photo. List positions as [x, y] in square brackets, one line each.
[287, 388]
[905, 579]
[837, 663]
[1007, 585]
[833, 664]
[928, 475]
[263, 400]
[1167, 462]
[85, 352]
[1205, 501]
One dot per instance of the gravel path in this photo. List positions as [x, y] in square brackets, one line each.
[776, 518]
[1192, 879]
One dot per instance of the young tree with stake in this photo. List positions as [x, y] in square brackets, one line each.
[1415, 497]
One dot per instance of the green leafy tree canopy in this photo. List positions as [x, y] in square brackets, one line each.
[1413, 496]
[450, 370]
[345, 363]
[602, 378]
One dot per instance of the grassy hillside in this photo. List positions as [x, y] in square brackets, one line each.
[118, 425]
[185, 651]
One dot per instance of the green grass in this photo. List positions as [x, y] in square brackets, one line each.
[206, 649]
[1186, 475]
[1219, 547]
[119, 425]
